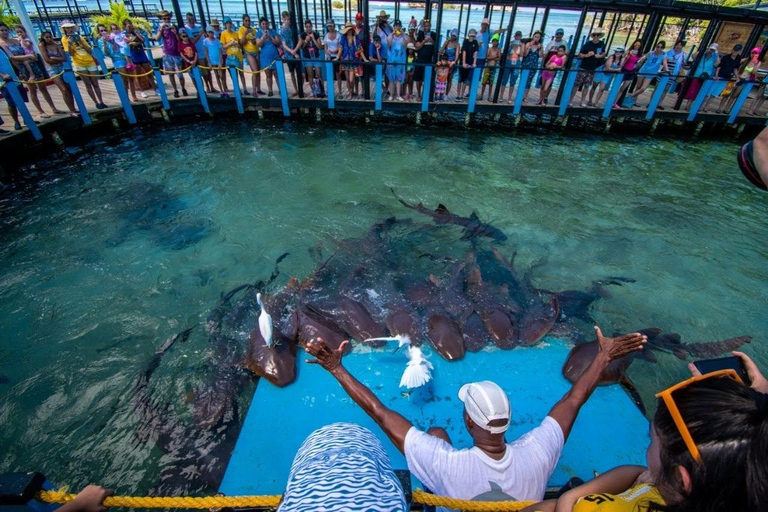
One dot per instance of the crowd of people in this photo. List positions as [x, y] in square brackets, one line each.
[404, 52]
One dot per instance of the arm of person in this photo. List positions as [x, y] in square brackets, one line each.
[474, 59]
[41, 47]
[392, 423]
[463, 58]
[139, 36]
[89, 499]
[159, 35]
[614, 481]
[758, 382]
[609, 349]
[243, 38]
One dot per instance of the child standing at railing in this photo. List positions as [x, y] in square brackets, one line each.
[187, 50]
[410, 69]
[491, 61]
[441, 81]
[212, 47]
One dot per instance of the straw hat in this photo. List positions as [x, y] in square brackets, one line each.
[163, 13]
[68, 24]
[347, 27]
[384, 15]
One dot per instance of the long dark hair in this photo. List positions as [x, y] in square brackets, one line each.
[729, 423]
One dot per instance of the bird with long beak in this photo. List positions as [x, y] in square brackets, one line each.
[265, 322]
[418, 371]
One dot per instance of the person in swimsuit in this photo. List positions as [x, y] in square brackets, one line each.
[17, 54]
[555, 64]
[491, 61]
[107, 44]
[629, 69]
[452, 50]
[54, 58]
[533, 53]
[653, 63]
[747, 74]
[268, 41]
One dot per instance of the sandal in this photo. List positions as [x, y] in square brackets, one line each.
[43, 115]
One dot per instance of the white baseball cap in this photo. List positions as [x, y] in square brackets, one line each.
[485, 402]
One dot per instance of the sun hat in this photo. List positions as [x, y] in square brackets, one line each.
[227, 19]
[383, 14]
[455, 32]
[485, 21]
[347, 27]
[358, 16]
[598, 31]
[485, 402]
[472, 32]
[68, 24]
[214, 22]
[410, 46]
[620, 49]
[560, 31]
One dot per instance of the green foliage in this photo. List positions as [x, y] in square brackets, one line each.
[337, 5]
[736, 3]
[118, 14]
[6, 16]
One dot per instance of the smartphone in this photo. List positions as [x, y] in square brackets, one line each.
[724, 363]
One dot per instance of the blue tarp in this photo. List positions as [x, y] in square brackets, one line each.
[610, 429]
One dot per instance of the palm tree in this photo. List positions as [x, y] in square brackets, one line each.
[118, 13]
[6, 16]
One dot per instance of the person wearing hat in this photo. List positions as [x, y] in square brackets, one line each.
[382, 27]
[483, 38]
[331, 43]
[608, 72]
[727, 72]
[492, 60]
[230, 42]
[747, 74]
[512, 65]
[517, 470]
[168, 35]
[215, 58]
[352, 56]
[452, 51]
[82, 61]
[592, 55]
[705, 70]
[310, 44]
[360, 28]
[554, 44]
[425, 52]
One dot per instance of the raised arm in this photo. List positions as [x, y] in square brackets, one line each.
[392, 423]
[609, 349]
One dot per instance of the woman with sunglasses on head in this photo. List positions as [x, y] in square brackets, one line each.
[709, 440]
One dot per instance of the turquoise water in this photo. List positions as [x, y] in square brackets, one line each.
[111, 251]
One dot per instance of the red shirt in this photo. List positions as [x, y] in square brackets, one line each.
[188, 50]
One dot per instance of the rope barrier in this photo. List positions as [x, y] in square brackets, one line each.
[272, 501]
[256, 72]
[136, 76]
[35, 82]
[105, 75]
[175, 72]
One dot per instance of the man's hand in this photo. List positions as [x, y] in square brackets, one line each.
[89, 499]
[758, 382]
[616, 348]
[325, 357]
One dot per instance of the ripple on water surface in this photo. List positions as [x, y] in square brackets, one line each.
[112, 251]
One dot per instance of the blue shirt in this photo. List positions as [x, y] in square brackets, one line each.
[192, 33]
[383, 51]
[485, 38]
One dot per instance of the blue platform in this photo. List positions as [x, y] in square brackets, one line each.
[609, 431]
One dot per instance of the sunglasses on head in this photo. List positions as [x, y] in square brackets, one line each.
[669, 401]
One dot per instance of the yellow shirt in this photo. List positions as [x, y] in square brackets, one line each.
[80, 55]
[634, 499]
[235, 49]
[250, 45]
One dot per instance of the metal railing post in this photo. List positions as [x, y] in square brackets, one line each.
[661, 86]
[236, 89]
[379, 83]
[700, 99]
[476, 73]
[29, 121]
[71, 80]
[740, 101]
[198, 78]
[613, 94]
[427, 86]
[565, 98]
[161, 88]
[521, 90]
[99, 56]
[117, 79]
[282, 86]
[330, 86]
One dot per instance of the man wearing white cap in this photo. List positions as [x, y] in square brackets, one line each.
[484, 38]
[494, 468]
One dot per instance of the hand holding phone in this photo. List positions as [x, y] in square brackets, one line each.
[705, 366]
